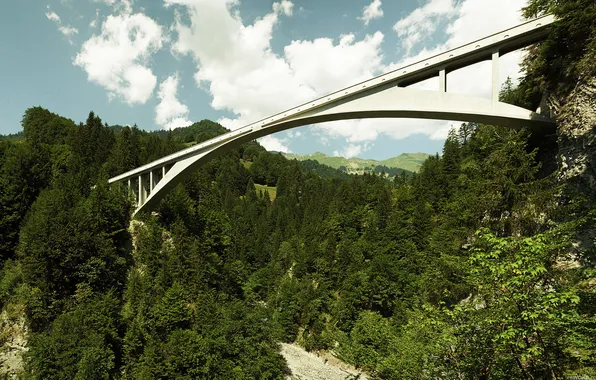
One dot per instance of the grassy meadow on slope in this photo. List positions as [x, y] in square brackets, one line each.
[410, 162]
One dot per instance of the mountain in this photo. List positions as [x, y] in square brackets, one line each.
[409, 162]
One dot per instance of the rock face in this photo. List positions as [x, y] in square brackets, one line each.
[577, 138]
[13, 335]
[576, 116]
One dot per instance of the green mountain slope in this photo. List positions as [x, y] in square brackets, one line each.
[406, 161]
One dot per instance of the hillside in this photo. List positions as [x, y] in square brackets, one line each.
[482, 265]
[255, 249]
[410, 162]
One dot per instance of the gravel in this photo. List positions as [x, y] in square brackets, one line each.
[309, 366]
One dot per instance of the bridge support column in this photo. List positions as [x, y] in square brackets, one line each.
[142, 190]
[133, 188]
[152, 179]
[496, 82]
[443, 80]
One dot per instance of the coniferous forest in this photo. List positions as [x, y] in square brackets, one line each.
[479, 266]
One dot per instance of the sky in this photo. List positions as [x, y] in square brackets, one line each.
[164, 64]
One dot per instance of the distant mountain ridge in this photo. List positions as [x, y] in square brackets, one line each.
[410, 162]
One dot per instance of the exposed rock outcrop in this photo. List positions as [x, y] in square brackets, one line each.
[577, 138]
[13, 336]
[576, 116]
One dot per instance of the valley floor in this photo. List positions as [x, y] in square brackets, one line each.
[308, 366]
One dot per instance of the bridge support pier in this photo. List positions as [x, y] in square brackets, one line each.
[443, 80]
[142, 190]
[153, 178]
[496, 81]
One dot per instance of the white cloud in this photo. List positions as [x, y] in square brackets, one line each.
[291, 134]
[246, 77]
[286, 7]
[66, 30]
[349, 151]
[470, 20]
[422, 22]
[252, 82]
[274, 143]
[473, 19]
[336, 65]
[366, 130]
[480, 18]
[124, 6]
[116, 59]
[53, 16]
[170, 113]
[353, 150]
[372, 11]
[94, 22]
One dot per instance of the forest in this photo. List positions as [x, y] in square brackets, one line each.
[479, 266]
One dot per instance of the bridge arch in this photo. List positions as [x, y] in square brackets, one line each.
[393, 103]
[380, 97]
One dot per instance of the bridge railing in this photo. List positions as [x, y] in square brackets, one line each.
[143, 180]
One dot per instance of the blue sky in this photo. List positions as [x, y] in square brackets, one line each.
[167, 63]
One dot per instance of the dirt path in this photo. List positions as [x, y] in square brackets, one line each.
[308, 366]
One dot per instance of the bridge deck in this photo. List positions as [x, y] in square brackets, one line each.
[483, 49]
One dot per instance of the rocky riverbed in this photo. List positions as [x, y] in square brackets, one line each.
[309, 366]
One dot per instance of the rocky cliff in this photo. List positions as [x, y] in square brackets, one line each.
[576, 117]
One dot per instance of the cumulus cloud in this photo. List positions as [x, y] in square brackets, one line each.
[67, 30]
[286, 7]
[275, 144]
[468, 21]
[252, 82]
[349, 151]
[246, 77]
[336, 65]
[366, 130]
[422, 22]
[372, 11]
[117, 58]
[473, 19]
[170, 113]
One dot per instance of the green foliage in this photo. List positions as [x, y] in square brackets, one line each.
[40, 126]
[369, 340]
[463, 270]
[11, 277]
[68, 241]
[568, 55]
[529, 312]
[24, 172]
[82, 343]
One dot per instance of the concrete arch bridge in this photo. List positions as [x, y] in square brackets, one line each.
[385, 96]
